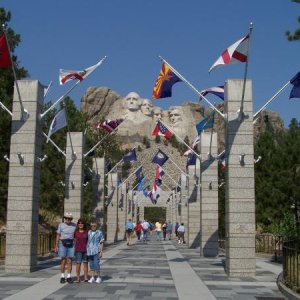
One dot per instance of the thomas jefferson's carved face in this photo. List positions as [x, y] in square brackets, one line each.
[132, 101]
[147, 107]
[175, 116]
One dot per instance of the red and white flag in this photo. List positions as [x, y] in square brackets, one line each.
[67, 75]
[110, 125]
[193, 146]
[5, 60]
[238, 52]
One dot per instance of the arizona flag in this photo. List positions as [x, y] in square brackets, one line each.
[110, 125]
[163, 85]
[5, 60]
[238, 52]
[160, 129]
[67, 75]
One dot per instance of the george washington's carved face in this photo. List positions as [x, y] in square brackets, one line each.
[132, 101]
[147, 107]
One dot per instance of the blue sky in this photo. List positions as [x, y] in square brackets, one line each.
[189, 34]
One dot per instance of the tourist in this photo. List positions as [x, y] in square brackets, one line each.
[138, 229]
[94, 251]
[169, 230]
[146, 227]
[81, 237]
[158, 230]
[164, 230]
[176, 230]
[64, 246]
[129, 230]
[180, 231]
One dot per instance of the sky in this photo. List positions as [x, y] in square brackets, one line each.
[189, 34]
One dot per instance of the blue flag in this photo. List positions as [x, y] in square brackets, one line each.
[131, 155]
[192, 160]
[160, 158]
[295, 81]
[141, 185]
[138, 173]
[206, 123]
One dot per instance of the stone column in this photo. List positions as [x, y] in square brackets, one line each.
[122, 213]
[24, 180]
[209, 196]
[183, 210]
[74, 175]
[240, 196]
[112, 208]
[193, 225]
[98, 191]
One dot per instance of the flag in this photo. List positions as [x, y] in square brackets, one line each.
[191, 160]
[163, 85]
[160, 158]
[59, 121]
[160, 129]
[108, 166]
[216, 90]
[193, 146]
[131, 155]
[5, 60]
[222, 159]
[67, 75]
[154, 194]
[138, 173]
[145, 192]
[206, 123]
[237, 52]
[141, 184]
[295, 81]
[110, 125]
[92, 153]
[159, 172]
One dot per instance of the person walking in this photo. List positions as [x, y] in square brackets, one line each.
[64, 246]
[169, 230]
[129, 230]
[138, 229]
[158, 230]
[146, 227]
[164, 230]
[95, 246]
[176, 230]
[81, 237]
[180, 232]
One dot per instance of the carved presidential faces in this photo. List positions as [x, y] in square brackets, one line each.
[133, 101]
[157, 113]
[175, 115]
[147, 107]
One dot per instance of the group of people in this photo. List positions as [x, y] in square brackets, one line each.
[162, 230]
[86, 245]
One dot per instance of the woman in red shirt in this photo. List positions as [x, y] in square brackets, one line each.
[138, 229]
[81, 237]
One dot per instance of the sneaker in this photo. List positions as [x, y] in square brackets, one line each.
[62, 280]
[92, 279]
[98, 280]
[69, 280]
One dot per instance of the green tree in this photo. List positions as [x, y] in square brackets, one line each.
[294, 36]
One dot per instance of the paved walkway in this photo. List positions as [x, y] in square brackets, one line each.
[152, 270]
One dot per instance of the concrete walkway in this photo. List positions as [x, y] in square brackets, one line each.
[152, 270]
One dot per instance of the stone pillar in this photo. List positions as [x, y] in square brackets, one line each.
[98, 191]
[193, 225]
[183, 210]
[24, 180]
[240, 196]
[209, 196]
[122, 212]
[74, 175]
[112, 208]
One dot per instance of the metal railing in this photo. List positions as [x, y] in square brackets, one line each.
[45, 245]
[291, 265]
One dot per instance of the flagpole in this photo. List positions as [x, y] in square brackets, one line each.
[92, 149]
[271, 99]
[170, 177]
[67, 93]
[24, 112]
[181, 139]
[71, 144]
[178, 167]
[241, 112]
[48, 88]
[114, 167]
[61, 151]
[5, 108]
[193, 88]
[211, 135]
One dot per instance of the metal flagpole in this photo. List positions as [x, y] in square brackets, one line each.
[114, 167]
[193, 88]
[24, 112]
[5, 108]
[48, 88]
[271, 99]
[130, 175]
[178, 167]
[92, 149]
[241, 111]
[211, 134]
[51, 141]
[67, 93]
[180, 139]
[176, 184]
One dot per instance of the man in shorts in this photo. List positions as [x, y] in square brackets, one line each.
[64, 246]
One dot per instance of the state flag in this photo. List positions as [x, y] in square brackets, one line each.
[58, 122]
[130, 156]
[5, 60]
[160, 158]
[162, 130]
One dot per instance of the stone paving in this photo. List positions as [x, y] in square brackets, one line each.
[152, 270]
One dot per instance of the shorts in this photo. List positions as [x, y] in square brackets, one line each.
[80, 257]
[94, 262]
[64, 252]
